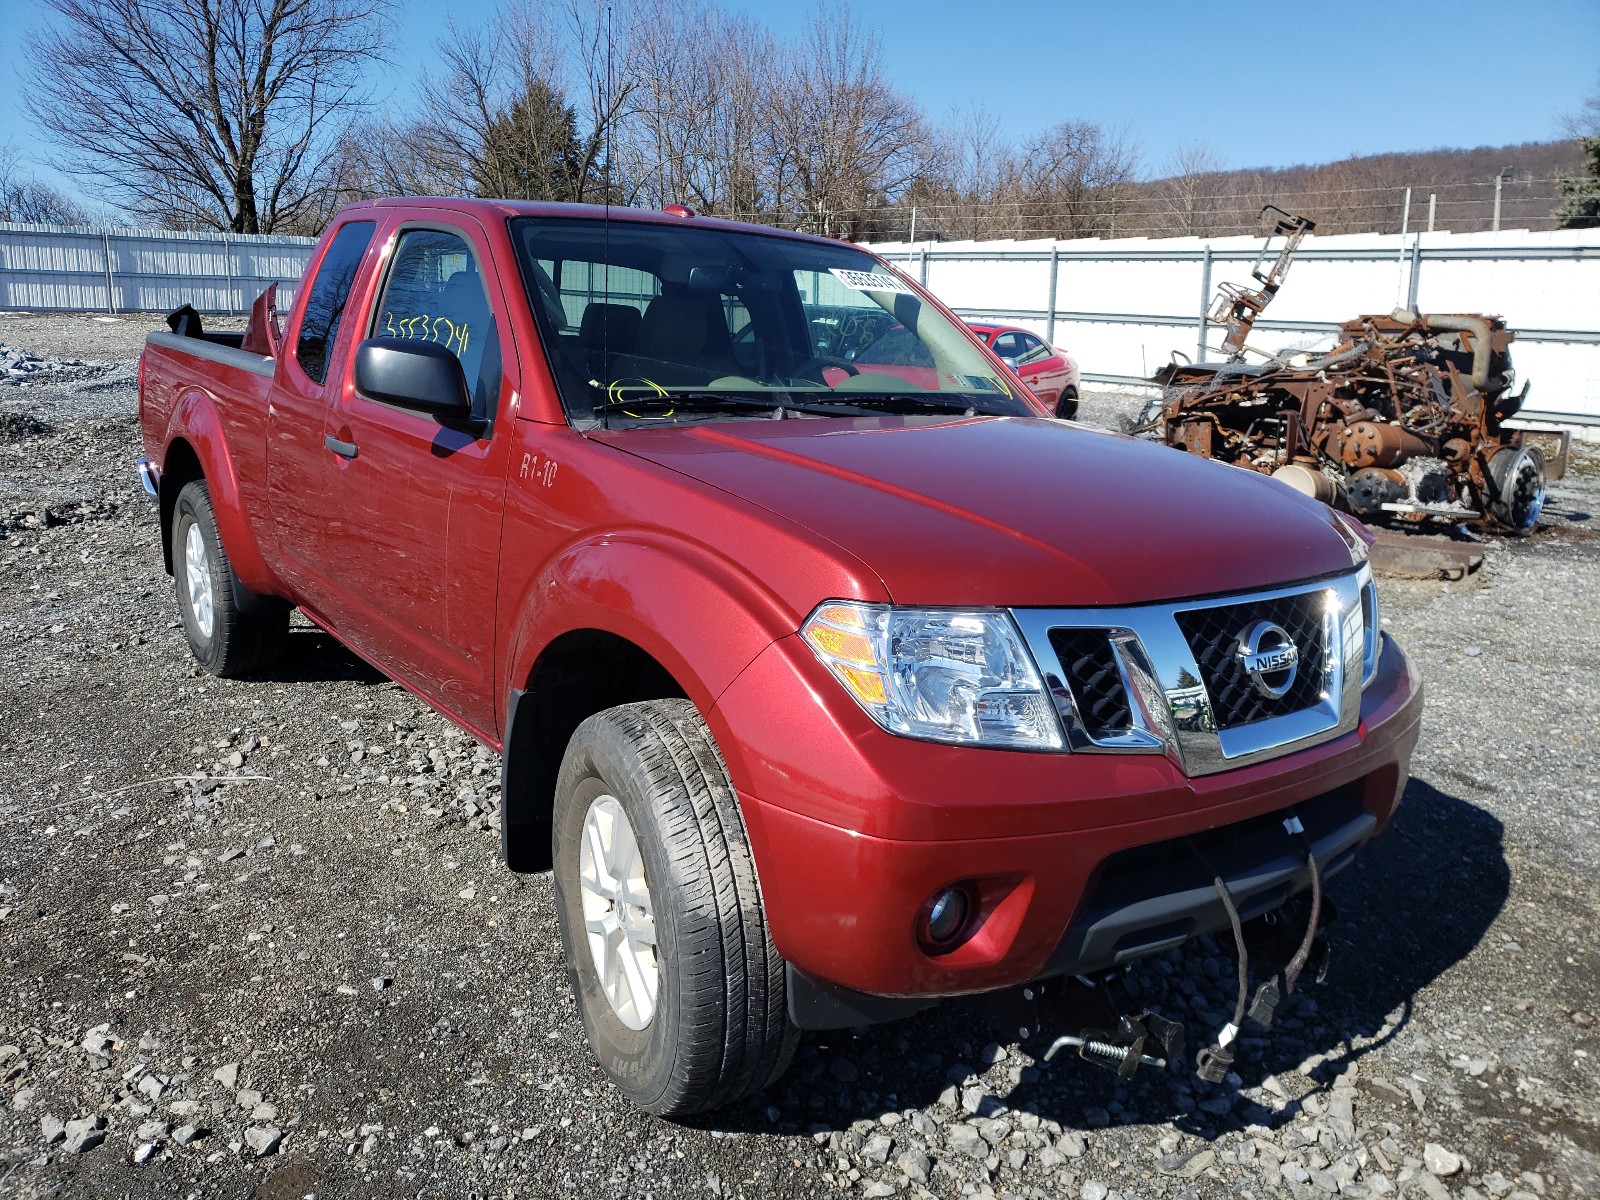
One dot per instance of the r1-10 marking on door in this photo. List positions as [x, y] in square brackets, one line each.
[538, 470]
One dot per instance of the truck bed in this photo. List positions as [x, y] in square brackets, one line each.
[221, 348]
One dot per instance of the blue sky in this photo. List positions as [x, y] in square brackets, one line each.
[1334, 80]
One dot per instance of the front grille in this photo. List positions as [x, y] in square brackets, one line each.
[1091, 673]
[1213, 637]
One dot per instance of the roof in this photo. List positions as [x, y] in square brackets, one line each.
[501, 209]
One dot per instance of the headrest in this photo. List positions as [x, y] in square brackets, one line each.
[609, 326]
[674, 327]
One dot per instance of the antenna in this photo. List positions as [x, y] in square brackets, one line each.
[606, 107]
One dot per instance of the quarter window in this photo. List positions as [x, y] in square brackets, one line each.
[435, 293]
[330, 292]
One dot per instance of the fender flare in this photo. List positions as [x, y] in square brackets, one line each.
[659, 592]
[697, 614]
[196, 424]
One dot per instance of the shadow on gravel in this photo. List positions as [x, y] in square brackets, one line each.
[311, 656]
[1415, 902]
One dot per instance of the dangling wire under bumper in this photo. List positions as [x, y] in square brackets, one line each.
[1213, 1062]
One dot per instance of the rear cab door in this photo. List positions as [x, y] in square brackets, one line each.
[315, 347]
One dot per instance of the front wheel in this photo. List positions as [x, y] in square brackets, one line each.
[681, 991]
[225, 639]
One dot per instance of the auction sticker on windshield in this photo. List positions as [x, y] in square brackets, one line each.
[867, 281]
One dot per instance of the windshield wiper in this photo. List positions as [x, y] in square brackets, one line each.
[905, 402]
[658, 405]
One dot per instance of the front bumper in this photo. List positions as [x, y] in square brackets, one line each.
[853, 830]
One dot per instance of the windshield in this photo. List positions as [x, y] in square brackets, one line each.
[677, 322]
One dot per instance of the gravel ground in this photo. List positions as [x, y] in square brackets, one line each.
[256, 940]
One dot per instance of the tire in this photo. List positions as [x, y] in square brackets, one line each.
[1150, 423]
[227, 641]
[717, 1028]
[1067, 404]
[1518, 489]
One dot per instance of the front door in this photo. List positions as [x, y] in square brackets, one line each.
[417, 502]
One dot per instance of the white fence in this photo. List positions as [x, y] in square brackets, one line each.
[56, 267]
[1123, 306]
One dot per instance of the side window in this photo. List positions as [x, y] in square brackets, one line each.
[1033, 350]
[897, 348]
[434, 293]
[330, 291]
[1007, 345]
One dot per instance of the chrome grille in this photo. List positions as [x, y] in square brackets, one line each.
[1213, 636]
[1165, 678]
[1091, 673]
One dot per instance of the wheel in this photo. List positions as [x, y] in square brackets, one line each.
[681, 991]
[226, 640]
[1067, 404]
[1151, 421]
[1518, 483]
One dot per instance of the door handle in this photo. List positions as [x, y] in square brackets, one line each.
[342, 449]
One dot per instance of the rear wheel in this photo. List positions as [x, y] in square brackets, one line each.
[1067, 404]
[226, 640]
[1517, 478]
[681, 991]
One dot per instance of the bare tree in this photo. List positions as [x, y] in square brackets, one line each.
[216, 113]
[974, 165]
[394, 158]
[1585, 122]
[1188, 193]
[24, 198]
[1070, 181]
[491, 119]
[848, 143]
[697, 126]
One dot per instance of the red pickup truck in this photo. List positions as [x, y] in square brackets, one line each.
[827, 690]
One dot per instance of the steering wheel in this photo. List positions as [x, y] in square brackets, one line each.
[821, 361]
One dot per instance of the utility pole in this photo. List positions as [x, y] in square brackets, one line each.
[1405, 225]
[1500, 180]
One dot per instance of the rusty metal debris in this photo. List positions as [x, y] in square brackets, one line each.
[1237, 307]
[1403, 421]
[1404, 555]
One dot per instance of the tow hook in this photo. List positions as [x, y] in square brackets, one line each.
[1122, 1050]
[1108, 1036]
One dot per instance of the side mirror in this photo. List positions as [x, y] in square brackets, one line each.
[418, 375]
[1009, 361]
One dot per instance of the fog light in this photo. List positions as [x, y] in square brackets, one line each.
[945, 917]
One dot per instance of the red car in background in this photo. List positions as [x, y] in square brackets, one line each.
[1051, 372]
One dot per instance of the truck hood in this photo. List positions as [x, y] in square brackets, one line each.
[1009, 511]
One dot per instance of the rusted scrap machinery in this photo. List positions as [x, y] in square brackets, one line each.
[1402, 420]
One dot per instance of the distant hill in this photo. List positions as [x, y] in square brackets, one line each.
[1363, 193]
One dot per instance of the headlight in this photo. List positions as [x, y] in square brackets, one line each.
[937, 674]
[1357, 537]
[1372, 640]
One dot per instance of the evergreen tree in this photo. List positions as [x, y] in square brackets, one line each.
[1581, 209]
[530, 150]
